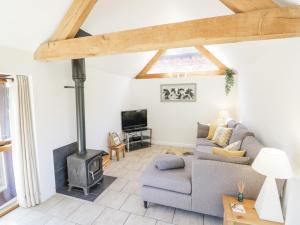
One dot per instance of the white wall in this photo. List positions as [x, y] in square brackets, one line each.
[176, 123]
[106, 95]
[53, 107]
[269, 98]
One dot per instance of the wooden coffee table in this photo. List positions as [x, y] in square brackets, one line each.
[249, 218]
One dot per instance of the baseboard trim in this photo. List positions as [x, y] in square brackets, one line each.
[176, 144]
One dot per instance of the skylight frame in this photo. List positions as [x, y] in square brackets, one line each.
[144, 74]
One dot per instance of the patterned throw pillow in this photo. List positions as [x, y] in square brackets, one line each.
[222, 136]
[212, 130]
[234, 146]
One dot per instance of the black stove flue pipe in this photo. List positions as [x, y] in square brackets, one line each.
[79, 77]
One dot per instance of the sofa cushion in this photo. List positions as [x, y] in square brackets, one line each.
[178, 180]
[232, 124]
[239, 133]
[202, 131]
[203, 148]
[252, 147]
[237, 160]
[205, 142]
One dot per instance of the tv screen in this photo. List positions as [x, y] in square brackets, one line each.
[134, 119]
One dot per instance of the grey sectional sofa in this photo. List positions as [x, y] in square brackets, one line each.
[199, 186]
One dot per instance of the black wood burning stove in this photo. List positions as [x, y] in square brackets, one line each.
[85, 171]
[84, 167]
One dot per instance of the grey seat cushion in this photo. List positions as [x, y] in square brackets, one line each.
[239, 133]
[178, 180]
[252, 147]
[168, 164]
[237, 160]
[202, 130]
[203, 148]
[205, 142]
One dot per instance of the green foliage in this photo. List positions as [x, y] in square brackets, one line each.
[229, 80]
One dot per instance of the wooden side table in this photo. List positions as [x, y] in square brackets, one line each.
[249, 218]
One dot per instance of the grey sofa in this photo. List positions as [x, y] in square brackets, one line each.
[199, 186]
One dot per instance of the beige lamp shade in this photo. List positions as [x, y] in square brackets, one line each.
[273, 163]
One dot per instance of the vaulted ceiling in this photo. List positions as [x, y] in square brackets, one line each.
[26, 24]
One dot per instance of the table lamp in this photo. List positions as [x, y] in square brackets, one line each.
[223, 116]
[273, 163]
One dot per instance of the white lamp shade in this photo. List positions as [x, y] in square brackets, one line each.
[223, 116]
[274, 163]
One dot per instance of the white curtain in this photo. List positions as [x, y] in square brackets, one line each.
[27, 145]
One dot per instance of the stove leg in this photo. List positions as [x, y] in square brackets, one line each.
[70, 188]
[145, 204]
[86, 191]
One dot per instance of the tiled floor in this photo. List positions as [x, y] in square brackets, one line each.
[120, 204]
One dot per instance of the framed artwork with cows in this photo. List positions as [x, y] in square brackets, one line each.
[178, 92]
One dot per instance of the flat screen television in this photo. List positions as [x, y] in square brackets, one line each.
[134, 119]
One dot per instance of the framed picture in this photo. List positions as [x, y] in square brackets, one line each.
[178, 92]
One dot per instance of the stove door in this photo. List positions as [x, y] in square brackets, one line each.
[95, 170]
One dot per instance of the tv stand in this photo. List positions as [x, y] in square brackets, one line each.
[137, 138]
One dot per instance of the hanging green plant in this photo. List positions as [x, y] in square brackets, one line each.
[229, 80]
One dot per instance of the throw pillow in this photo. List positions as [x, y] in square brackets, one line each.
[211, 132]
[223, 152]
[115, 139]
[169, 164]
[202, 131]
[222, 136]
[234, 146]
[220, 158]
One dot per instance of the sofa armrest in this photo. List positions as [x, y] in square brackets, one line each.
[213, 179]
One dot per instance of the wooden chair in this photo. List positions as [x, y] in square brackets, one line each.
[115, 146]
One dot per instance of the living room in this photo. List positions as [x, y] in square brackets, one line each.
[263, 98]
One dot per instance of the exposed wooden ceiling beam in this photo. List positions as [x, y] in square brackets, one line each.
[211, 57]
[273, 23]
[151, 62]
[73, 19]
[239, 6]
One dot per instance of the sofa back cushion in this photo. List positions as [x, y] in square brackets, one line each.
[202, 130]
[232, 124]
[252, 147]
[239, 133]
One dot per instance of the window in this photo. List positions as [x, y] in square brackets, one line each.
[177, 62]
[180, 60]
[7, 182]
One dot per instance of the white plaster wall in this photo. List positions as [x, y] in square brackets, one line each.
[53, 107]
[176, 123]
[106, 95]
[269, 99]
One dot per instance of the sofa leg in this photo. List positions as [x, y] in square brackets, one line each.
[145, 204]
